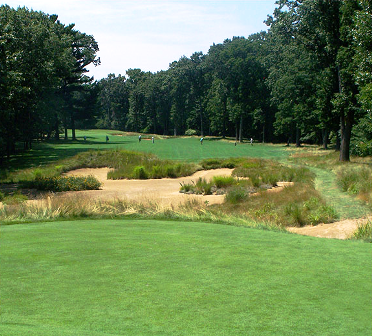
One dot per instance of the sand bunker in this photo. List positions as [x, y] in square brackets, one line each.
[164, 191]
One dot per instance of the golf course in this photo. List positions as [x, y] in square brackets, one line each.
[193, 239]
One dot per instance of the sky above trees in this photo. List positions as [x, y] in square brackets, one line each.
[150, 34]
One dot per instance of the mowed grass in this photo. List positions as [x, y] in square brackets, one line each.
[144, 277]
[173, 148]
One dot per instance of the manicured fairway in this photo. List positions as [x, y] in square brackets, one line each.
[145, 277]
[166, 148]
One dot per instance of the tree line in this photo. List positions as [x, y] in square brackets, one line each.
[42, 76]
[307, 79]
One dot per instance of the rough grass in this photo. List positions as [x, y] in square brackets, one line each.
[364, 232]
[78, 207]
[296, 205]
[125, 164]
[63, 183]
[356, 180]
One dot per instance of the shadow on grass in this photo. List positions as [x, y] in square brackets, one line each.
[53, 151]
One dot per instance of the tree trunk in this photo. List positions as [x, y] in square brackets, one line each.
[56, 128]
[346, 126]
[73, 126]
[325, 138]
[241, 129]
[338, 143]
[224, 119]
[298, 135]
[65, 126]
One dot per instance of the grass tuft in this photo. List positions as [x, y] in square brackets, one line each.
[364, 232]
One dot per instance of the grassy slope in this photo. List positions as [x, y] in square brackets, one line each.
[346, 206]
[131, 277]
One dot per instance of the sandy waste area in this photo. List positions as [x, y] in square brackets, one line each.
[166, 192]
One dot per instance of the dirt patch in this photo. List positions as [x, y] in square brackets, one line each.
[339, 230]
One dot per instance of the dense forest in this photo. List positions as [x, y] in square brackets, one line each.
[306, 80]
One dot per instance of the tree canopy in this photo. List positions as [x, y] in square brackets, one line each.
[307, 79]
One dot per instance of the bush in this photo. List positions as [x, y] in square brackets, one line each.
[187, 187]
[191, 132]
[170, 171]
[211, 163]
[157, 172]
[224, 181]
[361, 148]
[236, 195]
[203, 187]
[323, 214]
[364, 232]
[14, 199]
[140, 173]
[2, 195]
[355, 180]
[296, 213]
[221, 163]
[63, 183]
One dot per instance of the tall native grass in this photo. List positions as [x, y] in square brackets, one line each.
[79, 207]
[364, 232]
[218, 185]
[63, 183]
[294, 205]
[356, 180]
[124, 164]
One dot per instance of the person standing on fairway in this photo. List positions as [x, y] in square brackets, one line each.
[201, 140]
[251, 142]
[139, 138]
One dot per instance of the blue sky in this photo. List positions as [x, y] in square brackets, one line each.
[150, 34]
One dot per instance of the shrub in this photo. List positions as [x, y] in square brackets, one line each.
[191, 132]
[157, 172]
[322, 214]
[223, 181]
[296, 213]
[16, 198]
[255, 179]
[187, 187]
[355, 180]
[203, 187]
[211, 163]
[64, 183]
[170, 171]
[236, 195]
[140, 173]
[361, 148]
[2, 195]
[364, 232]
